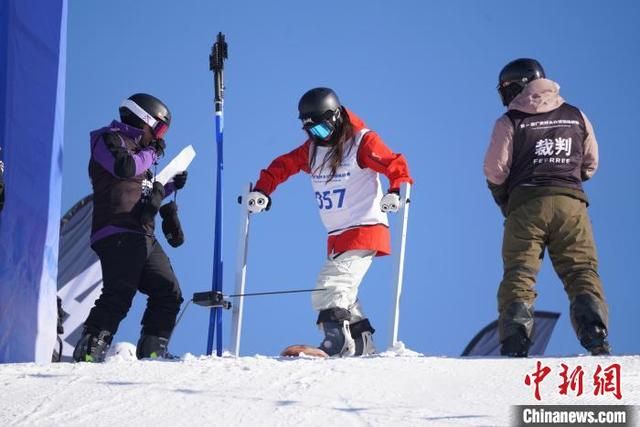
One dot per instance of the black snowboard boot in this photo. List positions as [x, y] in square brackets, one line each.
[92, 346]
[589, 319]
[516, 345]
[515, 324]
[153, 347]
[362, 334]
[594, 339]
[337, 341]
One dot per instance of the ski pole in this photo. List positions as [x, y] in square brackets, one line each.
[241, 273]
[399, 268]
[216, 64]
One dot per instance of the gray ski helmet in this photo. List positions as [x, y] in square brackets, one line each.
[515, 76]
[144, 108]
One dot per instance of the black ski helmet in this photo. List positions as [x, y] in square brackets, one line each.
[516, 75]
[143, 108]
[320, 106]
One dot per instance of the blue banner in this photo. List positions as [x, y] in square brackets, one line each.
[32, 77]
[487, 341]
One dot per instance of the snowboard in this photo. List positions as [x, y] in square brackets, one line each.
[307, 350]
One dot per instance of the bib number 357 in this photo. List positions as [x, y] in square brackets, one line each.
[331, 199]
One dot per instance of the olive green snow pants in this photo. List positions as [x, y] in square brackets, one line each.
[560, 224]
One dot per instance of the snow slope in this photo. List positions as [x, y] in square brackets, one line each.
[395, 388]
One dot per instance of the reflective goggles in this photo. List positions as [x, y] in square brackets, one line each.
[160, 129]
[321, 130]
[319, 126]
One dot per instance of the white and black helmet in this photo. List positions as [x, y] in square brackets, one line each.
[143, 108]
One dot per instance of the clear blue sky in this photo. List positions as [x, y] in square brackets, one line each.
[423, 75]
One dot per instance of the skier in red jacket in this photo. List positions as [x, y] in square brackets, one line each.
[344, 159]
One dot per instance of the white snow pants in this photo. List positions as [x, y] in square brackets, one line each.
[340, 278]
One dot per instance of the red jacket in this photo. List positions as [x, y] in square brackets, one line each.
[372, 154]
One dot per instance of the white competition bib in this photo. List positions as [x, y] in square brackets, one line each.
[352, 197]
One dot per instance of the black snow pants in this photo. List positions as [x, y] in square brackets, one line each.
[134, 262]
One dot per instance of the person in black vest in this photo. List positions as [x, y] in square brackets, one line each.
[541, 151]
[125, 202]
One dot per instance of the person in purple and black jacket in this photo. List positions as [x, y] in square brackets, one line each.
[125, 202]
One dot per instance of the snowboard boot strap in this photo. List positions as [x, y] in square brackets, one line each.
[92, 346]
[362, 334]
[153, 347]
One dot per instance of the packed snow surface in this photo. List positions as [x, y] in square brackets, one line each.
[395, 388]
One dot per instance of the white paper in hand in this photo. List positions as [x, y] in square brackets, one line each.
[179, 164]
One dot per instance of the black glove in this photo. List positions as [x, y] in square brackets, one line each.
[151, 203]
[500, 195]
[179, 180]
[171, 224]
[158, 146]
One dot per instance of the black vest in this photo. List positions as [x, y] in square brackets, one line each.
[547, 148]
[117, 201]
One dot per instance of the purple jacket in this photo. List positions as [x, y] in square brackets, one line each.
[119, 170]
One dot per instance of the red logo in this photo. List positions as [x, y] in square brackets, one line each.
[605, 380]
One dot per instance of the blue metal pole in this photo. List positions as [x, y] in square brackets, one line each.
[215, 317]
[219, 216]
[216, 64]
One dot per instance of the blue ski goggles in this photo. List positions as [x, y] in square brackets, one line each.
[320, 127]
[321, 130]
